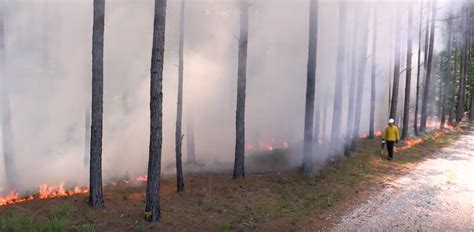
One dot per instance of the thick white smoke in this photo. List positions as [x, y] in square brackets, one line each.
[48, 63]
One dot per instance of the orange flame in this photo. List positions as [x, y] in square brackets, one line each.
[267, 146]
[47, 192]
[410, 143]
[141, 178]
[44, 192]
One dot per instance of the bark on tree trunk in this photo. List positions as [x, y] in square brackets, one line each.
[447, 74]
[373, 75]
[461, 88]
[452, 105]
[11, 177]
[179, 114]
[95, 191]
[418, 72]
[468, 60]
[351, 98]
[360, 82]
[464, 65]
[406, 108]
[471, 107]
[396, 73]
[426, 90]
[239, 163]
[317, 119]
[310, 88]
[152, 208]
[471, 78]
[337, 105]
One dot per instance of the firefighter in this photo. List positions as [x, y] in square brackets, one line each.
[390, 137]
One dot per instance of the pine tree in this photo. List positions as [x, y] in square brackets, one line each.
[406, 106]
[426, 90]
[179, 114]
[95, 191]
[152, 208]
[396, 73]
[310, 88]
[239, 163]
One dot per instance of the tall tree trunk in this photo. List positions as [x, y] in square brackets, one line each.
[446, 75]
[468, 60]
[317, 119]
[471, 77]
[7, 131]
[360, 81]
[310, 88]
[373, 75]
[351, 98]
[426, 90]
[461, 88]
[95, 192]
[152, 208]
[427, 37]
[452, 105]
[406, 108]
[464, 65]
[471, 107]
[418, 72]
[396, 73]
[239, 163]
[339, 84]
[390, 63]
[179, 113]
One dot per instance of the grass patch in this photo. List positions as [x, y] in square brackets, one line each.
[139, 228]
[225, 226]
[58, 220]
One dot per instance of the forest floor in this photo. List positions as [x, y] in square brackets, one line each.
[284, 201]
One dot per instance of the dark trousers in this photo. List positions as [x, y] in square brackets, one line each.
[390, 145]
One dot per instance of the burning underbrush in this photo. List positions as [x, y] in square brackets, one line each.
[264, 157]
[47, 191]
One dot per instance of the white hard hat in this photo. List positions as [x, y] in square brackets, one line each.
[391, 120]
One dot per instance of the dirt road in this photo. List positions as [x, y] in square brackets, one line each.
[437, 196]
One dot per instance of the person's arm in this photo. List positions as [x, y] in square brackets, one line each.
[398, 134]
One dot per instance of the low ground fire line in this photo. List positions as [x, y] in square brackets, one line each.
[48, 192]
[264, 146]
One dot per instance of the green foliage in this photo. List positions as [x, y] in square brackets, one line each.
[86, 228]
[139, 228]
[57, 221]
[225, 226]
[61, 211]
[11, 221]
